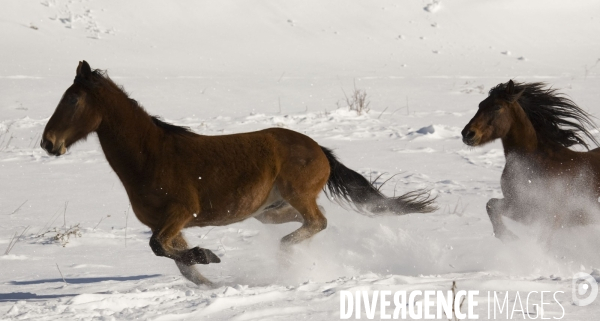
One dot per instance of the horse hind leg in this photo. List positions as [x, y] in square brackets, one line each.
[299, 184]
[313, 222]
[284, 213]
[279, 213]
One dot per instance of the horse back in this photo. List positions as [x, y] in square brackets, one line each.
[229, 177]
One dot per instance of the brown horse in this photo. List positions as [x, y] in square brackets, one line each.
[175, 178]
[543, 180]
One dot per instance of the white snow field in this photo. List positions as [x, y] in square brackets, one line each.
[227, 66]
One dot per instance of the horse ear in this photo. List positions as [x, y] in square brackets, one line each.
[510, 91]
[510, 87]
[515, 97]
[83, 69]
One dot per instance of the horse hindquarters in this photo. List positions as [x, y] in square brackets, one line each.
[299, 182]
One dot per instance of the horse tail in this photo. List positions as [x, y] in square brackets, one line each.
[346, 186]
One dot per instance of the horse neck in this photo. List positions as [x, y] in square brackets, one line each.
[127, 135]
[521, 137]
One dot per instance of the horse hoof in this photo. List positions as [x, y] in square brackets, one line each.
[212, 257]
[200, 256]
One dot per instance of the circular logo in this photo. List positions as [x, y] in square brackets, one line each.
[585, 289]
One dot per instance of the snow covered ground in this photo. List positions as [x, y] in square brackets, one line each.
[234, 66]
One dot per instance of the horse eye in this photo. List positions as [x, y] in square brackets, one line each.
[73, 100]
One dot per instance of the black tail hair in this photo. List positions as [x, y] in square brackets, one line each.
[347, 186]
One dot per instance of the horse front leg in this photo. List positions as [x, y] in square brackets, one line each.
[189, 271]
[496, 208]
[168, 242]
[170, 245]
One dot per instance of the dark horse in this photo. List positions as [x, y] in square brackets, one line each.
[542, 176]
[175, 178]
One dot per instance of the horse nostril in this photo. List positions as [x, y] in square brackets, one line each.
[47, 145]
[468, 134]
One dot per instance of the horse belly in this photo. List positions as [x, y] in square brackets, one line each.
[233, 211]
[273, 198]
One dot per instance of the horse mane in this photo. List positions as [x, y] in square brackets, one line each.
[170, 128]
[554, 117]
[100, 78]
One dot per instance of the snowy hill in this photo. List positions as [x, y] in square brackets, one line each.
[233, 66]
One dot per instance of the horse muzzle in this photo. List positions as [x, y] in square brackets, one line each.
[469, 137]
[53, 149]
